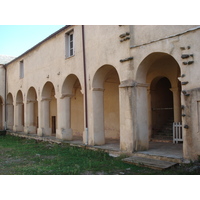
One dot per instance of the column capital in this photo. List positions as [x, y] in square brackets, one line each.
[8, 104]
[66, 95]
[132, 83]
[45, 99]
[30, 101]
[98, 89]
[19, 102]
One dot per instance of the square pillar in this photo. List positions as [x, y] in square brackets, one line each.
[98, 116]
[134, 134]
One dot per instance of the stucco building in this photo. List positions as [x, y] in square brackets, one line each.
[99, 84]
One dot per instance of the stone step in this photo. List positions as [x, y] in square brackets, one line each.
[148, 162]
[161, 156]
[161, 139]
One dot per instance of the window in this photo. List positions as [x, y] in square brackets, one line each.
[21, 69]
[69, 44]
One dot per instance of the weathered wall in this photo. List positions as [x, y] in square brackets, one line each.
[175, 47]
[141, 34]
[2, 97]
[2, 81]
[123, 113]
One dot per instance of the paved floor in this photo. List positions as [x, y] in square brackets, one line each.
[155, 148]
[164, 149]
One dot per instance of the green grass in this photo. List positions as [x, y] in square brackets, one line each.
[20, 156]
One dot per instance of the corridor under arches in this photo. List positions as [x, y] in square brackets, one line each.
[10, 112]
[19, 112]
[72, 119]
[106, 106]
[161, 108]
[32, 111]
[161, 99]
[49, 110]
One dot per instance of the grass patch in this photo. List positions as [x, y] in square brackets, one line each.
[20, 156]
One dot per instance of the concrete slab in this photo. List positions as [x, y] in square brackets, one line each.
[150, 163]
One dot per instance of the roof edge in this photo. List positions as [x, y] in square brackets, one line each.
[38, 44]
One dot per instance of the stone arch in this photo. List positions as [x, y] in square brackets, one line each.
[49, 109]
[19, 97]
[10, 112]
[152, 69]
[32, 111]
[105, 91]
[73, 108]
[69, 83]
[19, 112]
[48, 90]
[159, 63]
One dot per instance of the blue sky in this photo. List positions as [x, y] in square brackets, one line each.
[16, 39]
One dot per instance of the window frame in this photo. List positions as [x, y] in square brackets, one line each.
[69, 44]
[21, 69]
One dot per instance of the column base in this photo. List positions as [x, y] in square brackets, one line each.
[47, 131]
[26, 130]
[64, 134]
[40, 132]
[14, 128]
[99, 141]
[17, 128]
[85, 137]
[30, 129]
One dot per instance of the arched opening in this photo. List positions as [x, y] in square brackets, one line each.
[19, 112]
[72, 99]
[160, 71]
[162, 109]
[49, 110]
[32, 111]
[10, 112]
[1, 113]
[106, 105]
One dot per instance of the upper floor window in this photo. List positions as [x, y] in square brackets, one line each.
[69, 44]
[21, 69]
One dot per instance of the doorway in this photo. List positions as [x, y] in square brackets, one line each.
[162, 111]
[53, 119]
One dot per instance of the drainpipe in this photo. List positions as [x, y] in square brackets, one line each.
[5, 101]
[85, 85]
